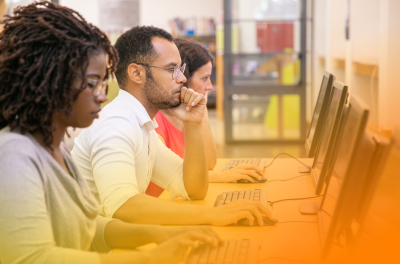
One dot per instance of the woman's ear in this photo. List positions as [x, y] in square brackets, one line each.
[136, 73]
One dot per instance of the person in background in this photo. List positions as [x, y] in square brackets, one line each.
[53, 71]
[120, 153]
[199, 63]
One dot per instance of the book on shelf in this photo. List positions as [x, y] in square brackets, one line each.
[274, 36]
[192, 26]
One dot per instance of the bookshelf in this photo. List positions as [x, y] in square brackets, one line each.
[202, 30]
[265, 70]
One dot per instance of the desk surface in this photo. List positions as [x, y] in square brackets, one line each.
[287, 240]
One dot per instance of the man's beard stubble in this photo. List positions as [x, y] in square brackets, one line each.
[157, 96]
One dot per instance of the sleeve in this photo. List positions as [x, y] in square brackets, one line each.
[168, 170]
[161, 125]
[26, 234]
[112, 155]
[99, 243]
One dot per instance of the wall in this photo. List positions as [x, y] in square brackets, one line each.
[89, 9]
[374, 42]
[389, 67]
[158, 12]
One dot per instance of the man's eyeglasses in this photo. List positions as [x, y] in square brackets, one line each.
[175, 71]
[97, 86]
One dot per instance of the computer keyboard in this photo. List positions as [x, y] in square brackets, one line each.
[243, 251]
[255, 195]
[233, 163]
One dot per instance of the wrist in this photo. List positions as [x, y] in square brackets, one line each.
[191, 124]
[214, 176]
[209, 215]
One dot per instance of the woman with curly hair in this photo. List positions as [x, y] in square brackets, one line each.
[53, 72]
[199, 63]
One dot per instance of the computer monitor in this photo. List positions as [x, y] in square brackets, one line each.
[379, 230]
[320, 110]
[382, 146]
[327, 140]
[346, 182]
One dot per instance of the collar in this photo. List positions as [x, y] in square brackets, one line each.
[138, 110]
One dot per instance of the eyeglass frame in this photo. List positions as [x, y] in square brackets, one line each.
[177, 66]
[96, 90]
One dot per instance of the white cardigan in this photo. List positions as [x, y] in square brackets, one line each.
[46, 216]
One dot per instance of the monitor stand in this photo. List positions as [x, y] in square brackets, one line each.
[309, 208]
[304, 169]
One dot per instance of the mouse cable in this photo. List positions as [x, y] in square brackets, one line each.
[292, 199]
[294, 260]
[289, 178]
[296, 222]
[286, 155]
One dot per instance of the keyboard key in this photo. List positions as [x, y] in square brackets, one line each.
[228, 197]
[235, 196]
[247, 195]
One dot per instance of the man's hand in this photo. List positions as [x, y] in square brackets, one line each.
[239, 209]
[242, 171]
[173, 250]
[192, 106]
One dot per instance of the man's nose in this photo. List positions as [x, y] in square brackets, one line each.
[181, 78]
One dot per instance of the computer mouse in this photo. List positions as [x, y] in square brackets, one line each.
[266, 222]
[263, 179]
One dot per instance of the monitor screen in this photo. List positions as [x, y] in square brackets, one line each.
[318, 107]
[324, 141]
[347, 178]
[319, 116]
[339, 170]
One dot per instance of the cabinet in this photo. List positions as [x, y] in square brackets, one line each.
[265, 70]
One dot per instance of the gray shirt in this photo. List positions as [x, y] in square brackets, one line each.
[46, 216]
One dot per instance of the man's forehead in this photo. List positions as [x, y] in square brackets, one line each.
[167, 52]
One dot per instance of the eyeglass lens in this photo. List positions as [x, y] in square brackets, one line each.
[99, 86]
[178, 69]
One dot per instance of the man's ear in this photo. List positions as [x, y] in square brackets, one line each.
[136, 73]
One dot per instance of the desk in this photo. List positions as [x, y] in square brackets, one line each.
[292, 241]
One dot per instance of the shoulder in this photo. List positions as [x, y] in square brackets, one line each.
[12, 142]
[114, 121]
[18, 153]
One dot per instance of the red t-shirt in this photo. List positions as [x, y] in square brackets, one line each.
[174, 140]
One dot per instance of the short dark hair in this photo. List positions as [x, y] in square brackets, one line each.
[194, 54]
[44, 47]
[134, 46]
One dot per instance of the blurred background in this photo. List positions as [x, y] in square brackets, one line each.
[270, 58]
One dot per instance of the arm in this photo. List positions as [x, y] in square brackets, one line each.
[169, 252]
[209, 144]
[152, 210]
[195, 169]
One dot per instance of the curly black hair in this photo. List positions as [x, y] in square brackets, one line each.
[44, 47]
[194, 54]
[134, 46]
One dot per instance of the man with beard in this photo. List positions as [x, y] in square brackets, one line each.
[120, 153]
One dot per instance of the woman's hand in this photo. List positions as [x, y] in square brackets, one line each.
[173, 250]
[242, 171]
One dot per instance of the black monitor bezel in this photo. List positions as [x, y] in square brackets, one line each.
[344, 207]
[319, 182]
[311, 144]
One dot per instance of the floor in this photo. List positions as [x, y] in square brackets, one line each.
[249, 150]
